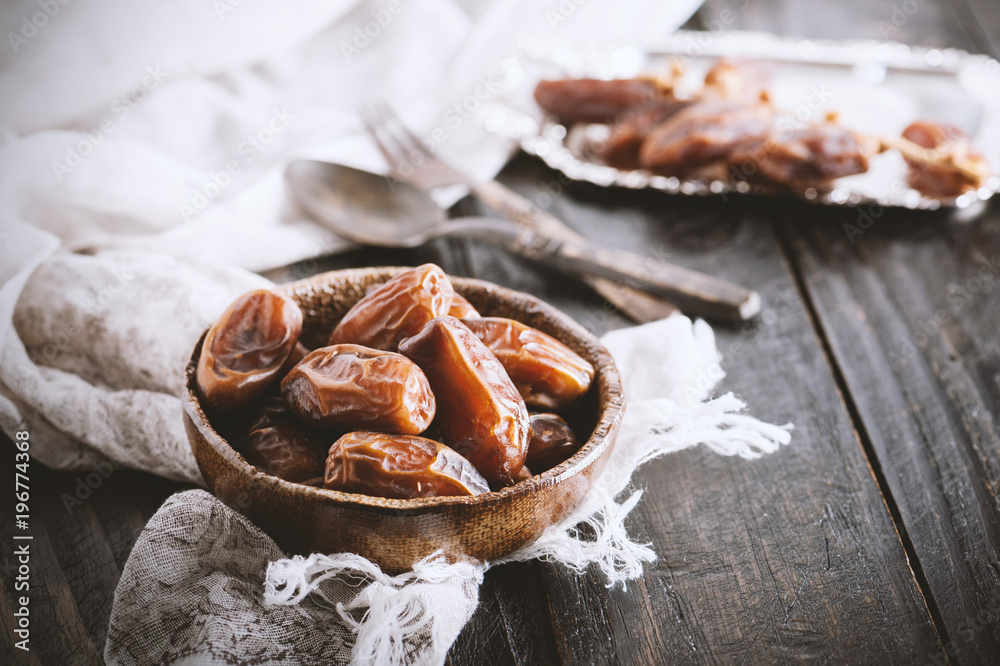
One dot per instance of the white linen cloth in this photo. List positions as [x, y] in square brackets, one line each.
[254, 604]
[142, 148]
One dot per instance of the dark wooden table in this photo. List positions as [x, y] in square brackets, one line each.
[873, 538]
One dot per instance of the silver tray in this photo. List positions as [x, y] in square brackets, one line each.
[875, 87]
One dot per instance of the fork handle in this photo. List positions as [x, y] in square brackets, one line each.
[640, 306]
[521, 211]
[693, 291]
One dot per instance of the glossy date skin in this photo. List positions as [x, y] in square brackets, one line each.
[245, 349]
[399, 467]
[352, 387]
[596, 100]
[397, 309]
[480, 412]
[462, 309]
[621, 149]
[938, 180]
[811, 156]
[552, 441]
[701, 134]
[280, 445]
[547, 373]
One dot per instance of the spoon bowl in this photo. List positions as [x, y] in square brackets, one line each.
[362, 206]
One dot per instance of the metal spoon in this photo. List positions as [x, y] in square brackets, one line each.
[372, 210]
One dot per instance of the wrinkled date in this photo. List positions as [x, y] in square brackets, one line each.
[399, 467]
[802, 158]
[350, 386]
[703, 133]
[280, 445]
[546, 372]
[481, 415]
[939, 180]
[621, 150]
[397, 309]
[245, 349]
[595, 100]
[552, 441]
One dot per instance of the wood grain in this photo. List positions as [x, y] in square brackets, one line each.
[913, 333]
[910, 310]
[58, 633]
[736, 580]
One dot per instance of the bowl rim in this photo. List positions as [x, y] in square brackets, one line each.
[601, 438]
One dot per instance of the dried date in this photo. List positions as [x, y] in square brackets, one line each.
[703, 133]
[950, 147]
[462, 309]
[596, 100]
[621, 150]
[351, 387]
[246, 348]
[800, 158]
[552, 442]
[397, 309]
[547, 373]
[738, 80]
[280, 445]
[399, 467]
[481, 414]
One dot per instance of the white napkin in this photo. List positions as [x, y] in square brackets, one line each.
[128, 122]
[196, 553]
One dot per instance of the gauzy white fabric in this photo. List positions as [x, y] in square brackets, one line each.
[93, 354]
[196, 553]
[132, 122]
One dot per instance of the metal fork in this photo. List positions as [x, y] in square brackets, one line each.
[701, 294]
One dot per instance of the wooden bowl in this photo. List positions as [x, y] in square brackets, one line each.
[391, 532]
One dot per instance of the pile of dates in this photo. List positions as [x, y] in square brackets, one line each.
[416, 394]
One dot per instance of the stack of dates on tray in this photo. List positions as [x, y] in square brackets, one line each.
[729, 130]
[416, 394]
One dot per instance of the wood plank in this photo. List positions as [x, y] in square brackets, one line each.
[981, 20]
[58, 633]
[8, 623]
[128, 500]
[74, 575]
[914, 336]
[82, 550]
[485, 643]
[790, 557]
[934, 23]
[509, 601]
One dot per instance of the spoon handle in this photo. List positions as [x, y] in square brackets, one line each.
[640, 306]
[692, 291]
